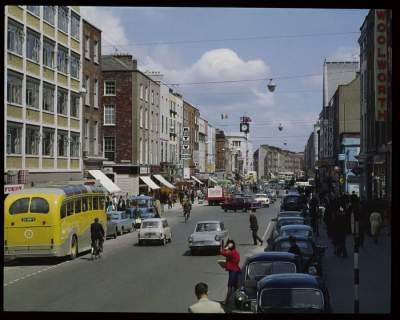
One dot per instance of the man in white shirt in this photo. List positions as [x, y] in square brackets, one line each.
[204, 305]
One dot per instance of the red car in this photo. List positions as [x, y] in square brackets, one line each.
[240, 203]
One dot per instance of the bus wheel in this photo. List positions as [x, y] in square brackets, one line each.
[74, 248]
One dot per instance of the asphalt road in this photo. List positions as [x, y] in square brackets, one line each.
[129, 278]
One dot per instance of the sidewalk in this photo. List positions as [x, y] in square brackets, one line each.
[375, 274]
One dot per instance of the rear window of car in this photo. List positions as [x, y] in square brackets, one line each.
[264, 268]
[305, 246]
[204, 227]
[20, 206]
[151, 224]
[39, 205]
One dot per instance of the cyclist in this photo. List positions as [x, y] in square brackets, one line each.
[187, 206]
[97, 233]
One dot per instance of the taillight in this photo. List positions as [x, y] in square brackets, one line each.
[12, 223]
[43, 222]
[5, 242]
[52, 243]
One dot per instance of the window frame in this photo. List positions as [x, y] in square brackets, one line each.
[52, 23]
[35, 89]
[51, 132]
[59, 92]
[46, 88]
[12, 145]
[105, 88]
[62, 61]
[77, 18]
[17, 39]
[19, 77]
[107, 114]
[74, 64]
[32, 140]
[74, 97]
[96, 51]
[106, 145]
[74, 145]
[61, 9]
[63, 145]
[47, 43]
[33, 12]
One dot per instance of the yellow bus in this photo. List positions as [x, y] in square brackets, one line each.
[54, 221]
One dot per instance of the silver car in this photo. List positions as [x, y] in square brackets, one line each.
[208, 235]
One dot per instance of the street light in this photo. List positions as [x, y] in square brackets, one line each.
[271, 86]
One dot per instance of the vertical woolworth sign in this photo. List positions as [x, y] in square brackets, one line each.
[381, 64]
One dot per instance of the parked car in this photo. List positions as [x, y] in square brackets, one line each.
[296, 230]
[208, 235]
[283, 221]
[292, 293]
[262, 198]
[289, 214]
[240, 203]
[312, 254]
[254, 269]
[123, 221]
[112, 228]
[271, 195]
[154, 229]
[293, 202]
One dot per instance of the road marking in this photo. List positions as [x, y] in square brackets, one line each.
[266, 231]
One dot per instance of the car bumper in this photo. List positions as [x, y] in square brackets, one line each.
[33, 251]
[204, 245]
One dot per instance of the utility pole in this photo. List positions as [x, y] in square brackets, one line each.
[356, 239]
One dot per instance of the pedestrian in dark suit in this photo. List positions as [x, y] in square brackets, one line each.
[254, 229]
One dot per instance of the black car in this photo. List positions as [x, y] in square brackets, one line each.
[293, 202]
[292, 293]
[254, 269]
[312, 254]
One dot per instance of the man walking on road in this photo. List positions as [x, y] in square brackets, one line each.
[376, 222]
[314, 214]
[254, 229]
[204, 305]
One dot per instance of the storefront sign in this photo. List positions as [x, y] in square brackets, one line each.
[8, 188]
[144, 170]
[381, 65]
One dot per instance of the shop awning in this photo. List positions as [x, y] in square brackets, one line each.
[150, 183]
[197, 180]
[163, 181]
[105, 181]
[212, 180]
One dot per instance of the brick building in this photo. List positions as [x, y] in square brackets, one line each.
[191, 120]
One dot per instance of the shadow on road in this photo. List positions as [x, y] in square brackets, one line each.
[50, 261]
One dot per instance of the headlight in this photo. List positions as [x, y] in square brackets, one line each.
[190, 239]
[240, 297]
[312, 270]
[217, 238]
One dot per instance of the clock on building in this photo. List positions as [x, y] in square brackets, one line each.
[244, 127]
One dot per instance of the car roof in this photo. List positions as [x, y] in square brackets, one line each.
[296, 226]
[286, 238]
[272, 256]
[290, 211]
[289, 280]
[290, 218]
[139, 197]
[209, 221]
[155, 219]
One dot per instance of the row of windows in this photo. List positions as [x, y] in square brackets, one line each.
[32, 95]
[37, 205]
[81, 204]
[64, 60]
[34, 137]
[96, 48]
[65, 17]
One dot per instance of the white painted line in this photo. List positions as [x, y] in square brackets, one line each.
[266, 231]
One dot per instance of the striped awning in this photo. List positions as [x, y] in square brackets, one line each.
[197, 180]
[150, 183]
[212, 180]
[163, 181]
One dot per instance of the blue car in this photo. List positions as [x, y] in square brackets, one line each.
[146, 207]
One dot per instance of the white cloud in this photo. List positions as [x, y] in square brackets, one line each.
[109, 23]
[345, 54]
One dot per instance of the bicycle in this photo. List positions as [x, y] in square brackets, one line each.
[186, 214]
[96, 249]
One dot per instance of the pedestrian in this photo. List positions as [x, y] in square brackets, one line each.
[232, 266]
[254, 229]
[294, 248]
[314, 214]
[341, 229]
[204, 305]
[157, 205]
[376, 223]
[170, 201]
[192, 196]
[121, 204]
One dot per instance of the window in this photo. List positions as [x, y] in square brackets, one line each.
[48, 53]
[147, 94]
[78, 205]
[74, 146]
[109, 114]
[20, 206]
[101, 203]
[48, 142]
[109, 88]
[39, 205]
[84, 204]
[87, 87]
[70, 208]
[89, 203]
[14, 135]
[75, 105]
[96, 51]
[49, 13]
[87, 47]
[32, 140]
[146, 154]
[109, 148]
[95, 203]
[141, 91]
[87, 135]
[32, 93]
[62, 100]
[141, 117]
[146, 118]
[63, 19]
[151, 120]
[141, 150]
[75, 65]
[62, 139]
[75, 26]
[96, 138]
[48, 97]
[62, 59]
[96, 93]
[33, 46]
[63, 210]
[14, 88]
[152, 96]
[15, 37]
[162, 124]
[34, 9]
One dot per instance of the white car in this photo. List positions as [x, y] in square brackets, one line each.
[155, 229]
[263, 199]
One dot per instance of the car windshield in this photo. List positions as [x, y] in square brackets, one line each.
[286, 222]
[291, 199]
[204, 227]
[305, 246]
[289, 213]
[260, 269]
[296, 232]
[307, 298]
[143, 203]
[151, 224]
[115, 215]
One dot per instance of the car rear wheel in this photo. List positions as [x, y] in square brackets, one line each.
[115, 233]
[193, 251]
[164, 241]
[74, 248]
[122, 231]
[226, 210]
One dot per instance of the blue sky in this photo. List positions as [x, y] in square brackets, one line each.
[296, 102]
